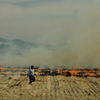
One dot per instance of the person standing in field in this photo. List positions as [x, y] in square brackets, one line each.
[31, 75]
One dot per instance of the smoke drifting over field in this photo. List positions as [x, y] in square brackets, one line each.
[79, 50]
[73, 40]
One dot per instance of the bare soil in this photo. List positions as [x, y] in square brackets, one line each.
[49, 88]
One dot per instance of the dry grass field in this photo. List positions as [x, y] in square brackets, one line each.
[50, 88]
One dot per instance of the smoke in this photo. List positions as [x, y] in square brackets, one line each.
[74, 43]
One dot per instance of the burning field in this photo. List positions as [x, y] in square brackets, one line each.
[47, 87]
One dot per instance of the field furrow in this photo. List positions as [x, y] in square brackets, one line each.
[50, 88]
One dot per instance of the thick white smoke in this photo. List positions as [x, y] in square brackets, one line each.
[74, 41]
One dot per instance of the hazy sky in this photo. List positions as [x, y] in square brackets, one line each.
[45, 20]
[72, 27]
